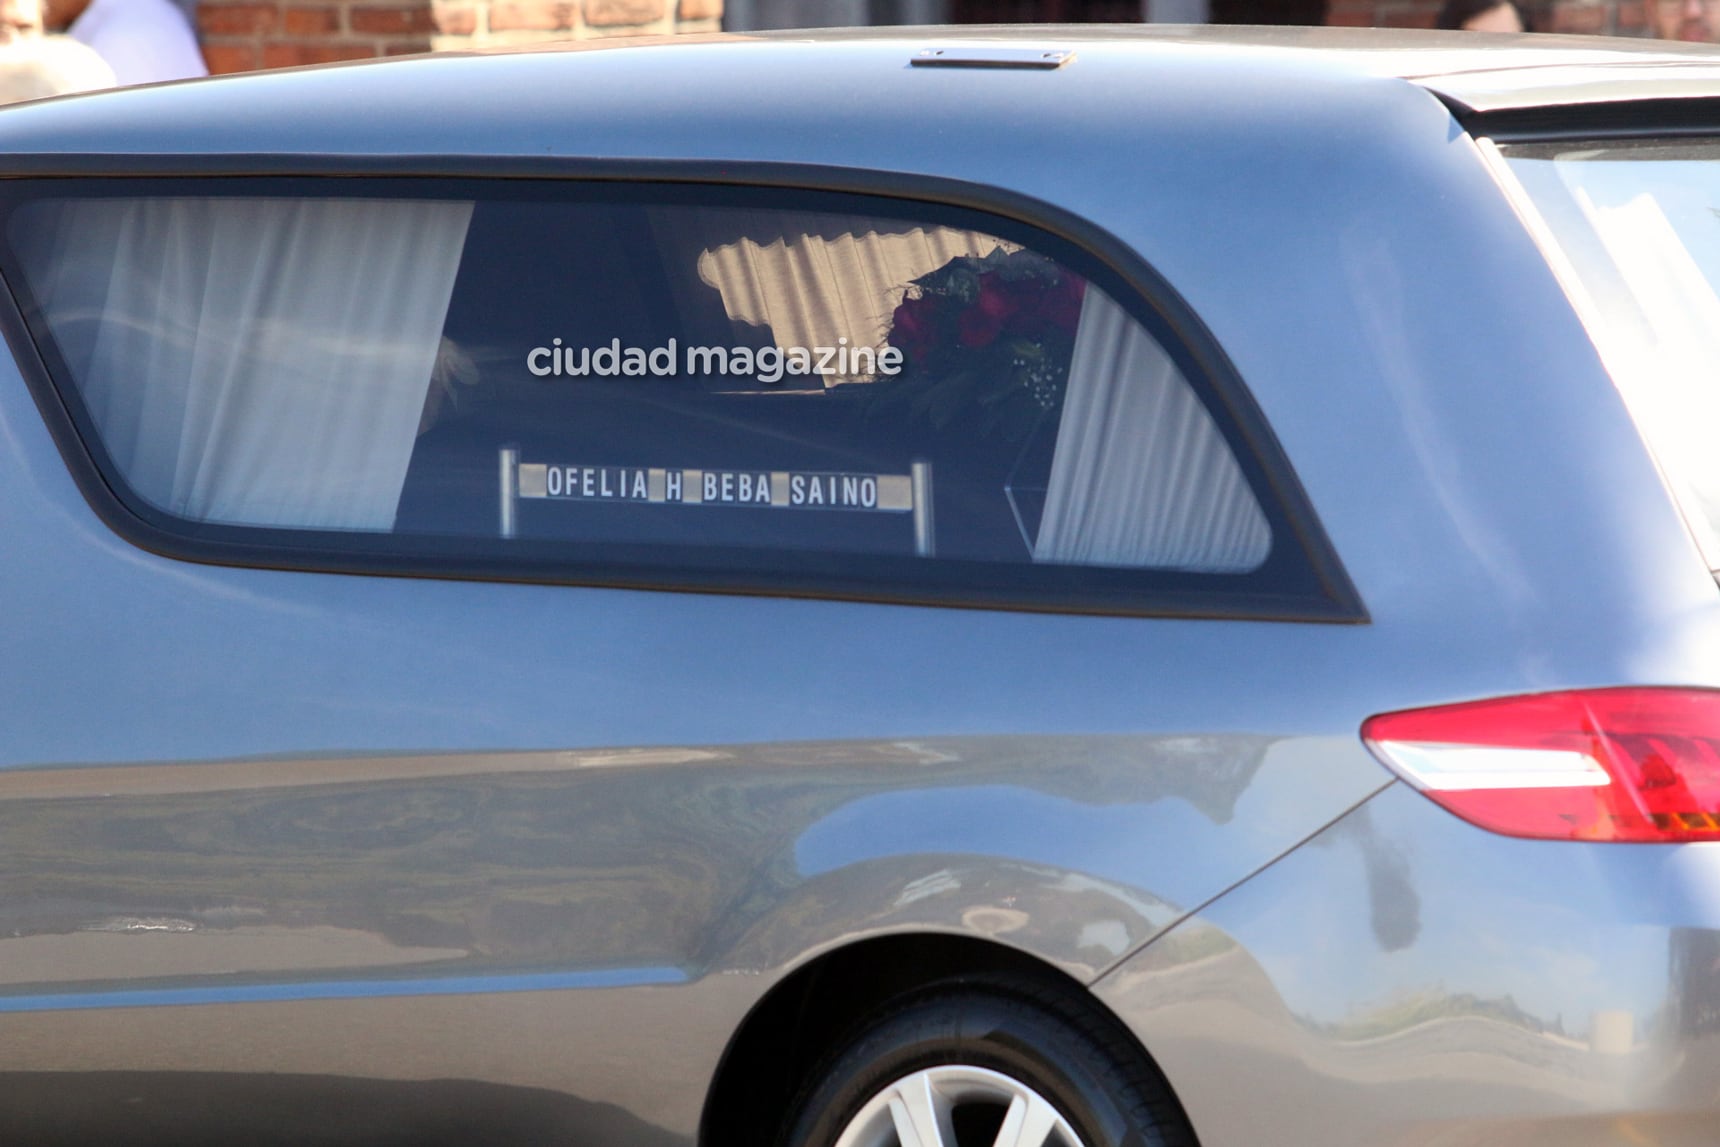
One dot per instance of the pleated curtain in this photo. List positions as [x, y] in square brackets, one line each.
[250, 360]
[1141, 475]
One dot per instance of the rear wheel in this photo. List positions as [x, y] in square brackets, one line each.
[993, 1063]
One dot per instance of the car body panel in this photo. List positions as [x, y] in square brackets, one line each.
[377, 835]
[1558, 87]
[1489, 990]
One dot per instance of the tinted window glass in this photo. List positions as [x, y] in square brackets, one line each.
[682, 376]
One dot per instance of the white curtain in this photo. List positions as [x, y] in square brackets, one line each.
[813, 279]
[1141, 476]
[257, 361]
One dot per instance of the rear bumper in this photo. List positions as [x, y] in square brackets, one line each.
[1404, 978]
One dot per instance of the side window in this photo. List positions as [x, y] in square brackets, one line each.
[749, 389]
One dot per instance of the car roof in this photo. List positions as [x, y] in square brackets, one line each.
[853, 80]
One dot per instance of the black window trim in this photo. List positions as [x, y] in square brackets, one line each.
[1327, 594]
[1670, 118]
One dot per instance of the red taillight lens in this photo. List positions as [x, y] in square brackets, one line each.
[1596, 764]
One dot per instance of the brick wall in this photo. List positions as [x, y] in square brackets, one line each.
[243, 35]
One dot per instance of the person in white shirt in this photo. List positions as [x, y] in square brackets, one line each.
[144, 41]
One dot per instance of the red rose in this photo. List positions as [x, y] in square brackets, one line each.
[980, 323]
[997, 299]
[914, 327]
[1062, 306]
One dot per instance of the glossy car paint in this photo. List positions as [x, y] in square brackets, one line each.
[311, 843]
[1404, 978]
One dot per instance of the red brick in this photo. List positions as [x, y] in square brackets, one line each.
[456, 21]
[1411, 19]
[236, 19]
[301, 21]
[292, 55]
[537, 15]
[611, 13]
[225, 58]
[701, 9]
[405, 47]
[1358, 18]
[391, 19]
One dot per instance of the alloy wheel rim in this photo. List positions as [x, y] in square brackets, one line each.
[958, 1105]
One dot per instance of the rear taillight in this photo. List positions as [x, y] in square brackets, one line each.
[1596, 764]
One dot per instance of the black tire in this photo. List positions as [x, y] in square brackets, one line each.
[1059, 1043]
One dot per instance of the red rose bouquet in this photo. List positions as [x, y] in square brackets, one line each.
[985, 338]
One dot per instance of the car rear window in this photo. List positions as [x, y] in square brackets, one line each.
[1638, 224]
[808, 387]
